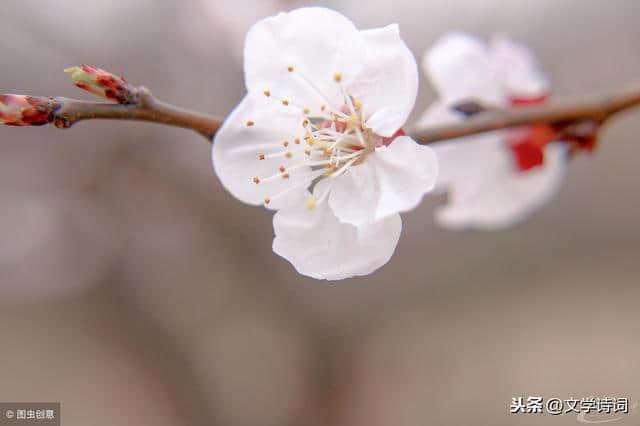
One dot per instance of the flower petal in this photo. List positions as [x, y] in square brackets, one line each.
[387, 86]
[521, 74]
[321, 247]
[485, 189]
[391, 180]
[257, 126]
[460, 67]
[297, 55]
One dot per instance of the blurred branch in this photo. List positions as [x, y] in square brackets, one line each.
[596, 109]
[137, 103]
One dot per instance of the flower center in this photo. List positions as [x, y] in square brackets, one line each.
[332, 139]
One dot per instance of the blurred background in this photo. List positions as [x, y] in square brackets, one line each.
[135, 290]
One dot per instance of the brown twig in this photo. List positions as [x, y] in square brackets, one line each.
[64, 112]
[595, 109]
[67, 112]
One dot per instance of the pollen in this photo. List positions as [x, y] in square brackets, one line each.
[285, 143]
[285, 102]
[311, 203]
[261, 156]
[267, 93]
[256, 180]
[290, 68]
[337, 77]
[288, 154]
[250, 123]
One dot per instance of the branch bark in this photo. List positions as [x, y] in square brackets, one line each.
[596, 109]
[64, 112]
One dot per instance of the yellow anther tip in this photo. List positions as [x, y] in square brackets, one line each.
[311, 203]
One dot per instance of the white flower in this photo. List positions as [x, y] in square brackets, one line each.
[318, 137]
[496, 179]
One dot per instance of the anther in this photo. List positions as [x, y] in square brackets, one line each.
[337, 77]
[290, 68]
[267, 200]
[306, 110]
[305, 123]
[285, 102]
[288, 154]
[307, 151]
[285, 176]
[285, 143]
[282, 169]
[267, 93]
[261, 156]
[323, 107]
[250, 123]
[256, 180]
[311, 203]
[297, 141]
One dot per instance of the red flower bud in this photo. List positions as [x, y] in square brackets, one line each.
[101, 83]
[22, 110]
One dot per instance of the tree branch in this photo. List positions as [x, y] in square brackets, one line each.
[139, 104]
[595, 109]
[67, 112]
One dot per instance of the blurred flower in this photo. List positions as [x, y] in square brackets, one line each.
[496, 179]
[324, 110]
[101, 83]
[22, 110]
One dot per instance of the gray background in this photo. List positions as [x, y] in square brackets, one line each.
[135, 290]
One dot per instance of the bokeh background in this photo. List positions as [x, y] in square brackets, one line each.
[135, 290]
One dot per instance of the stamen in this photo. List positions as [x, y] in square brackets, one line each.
[306, 110]
[261, 156]
[288, 154]
[337, 77]
[285, 143]
[285, 102]
[250, 123]
[256, 180]
[297, 141]
[311, 203]
[290, 68]
[282, 169]
[267, 93]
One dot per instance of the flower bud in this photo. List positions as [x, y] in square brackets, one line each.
[22, 110]
[101, 83]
